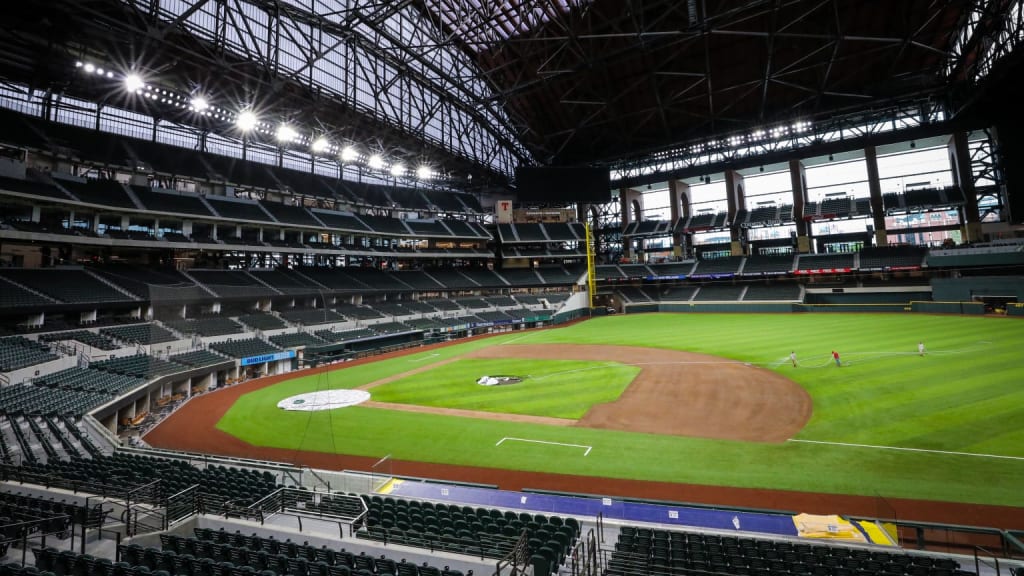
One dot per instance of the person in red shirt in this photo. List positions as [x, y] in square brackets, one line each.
[835, 356]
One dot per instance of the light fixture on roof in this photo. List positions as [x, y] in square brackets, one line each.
[375, 162]
[199, 104]
[424, 172]
[89, 67]
[133, 82]
[349, 154]
[320, 145]
[246, 120]
[286, 133]
[397, 169]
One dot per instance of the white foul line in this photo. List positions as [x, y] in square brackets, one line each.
[975, 454]
[585, 452]
[427, 357]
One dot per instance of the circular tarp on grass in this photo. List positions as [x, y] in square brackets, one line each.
[324, 400]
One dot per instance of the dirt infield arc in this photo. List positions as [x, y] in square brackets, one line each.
[678, 393]
[193, 429]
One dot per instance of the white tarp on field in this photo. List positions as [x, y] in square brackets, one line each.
[324, 400]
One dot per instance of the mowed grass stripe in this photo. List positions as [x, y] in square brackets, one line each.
[970, 425]
[872, 409]
[555, 388]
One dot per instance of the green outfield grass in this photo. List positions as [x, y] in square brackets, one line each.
[555, 388]
[955, 414]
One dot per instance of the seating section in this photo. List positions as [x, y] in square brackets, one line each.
[144, 334]
[825, 261]
[206, 326]
[345, 336]
[140, 365]
[154, 284]
[231, 284]
[13, 296]
[217, 483]
[44, 515]
[42, 400]
[389, 328]
[198, 358]
[291, 214]
[244, 348]
[653, 552]
[889, 257]
[104, 192]
[634, 294]
[70, 285]
[768, 265]
[312, 316]
[296, 339]
[719, 293]
[672, 269]
[452, 279]
[171, 202]
[483, 532]
[222, 553]
[108, 382]
[18, 352]
[239, 210]
[727, 265]
[262, 321]
[286, 281]
[787, 291]
[678, 293]
[85, 337]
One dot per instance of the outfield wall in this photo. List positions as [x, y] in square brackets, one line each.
[965, 289]
[926, 307]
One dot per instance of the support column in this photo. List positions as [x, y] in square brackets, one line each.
[737, 200]
[627, 198]
[679, 204]
[798, 182]
[875, 188]
[960, 162]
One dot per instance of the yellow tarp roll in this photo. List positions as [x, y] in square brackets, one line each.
[831, 526]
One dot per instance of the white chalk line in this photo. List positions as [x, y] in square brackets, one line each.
[585, 452]
[427, 357]
[903, 449]
[516, 339]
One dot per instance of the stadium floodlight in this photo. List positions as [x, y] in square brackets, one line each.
[397, 169]
[375, 162]
[286, 133]
[246, 120]
[349, 154]
[424, 172]
[89, 67]
[199, 104]
[320, 145]
[133, 82]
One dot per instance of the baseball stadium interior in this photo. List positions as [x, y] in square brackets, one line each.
[196, 194]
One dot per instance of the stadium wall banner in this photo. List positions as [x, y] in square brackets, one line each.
[823, 271]
[666, 277]
[268, 358]
[722, 276]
